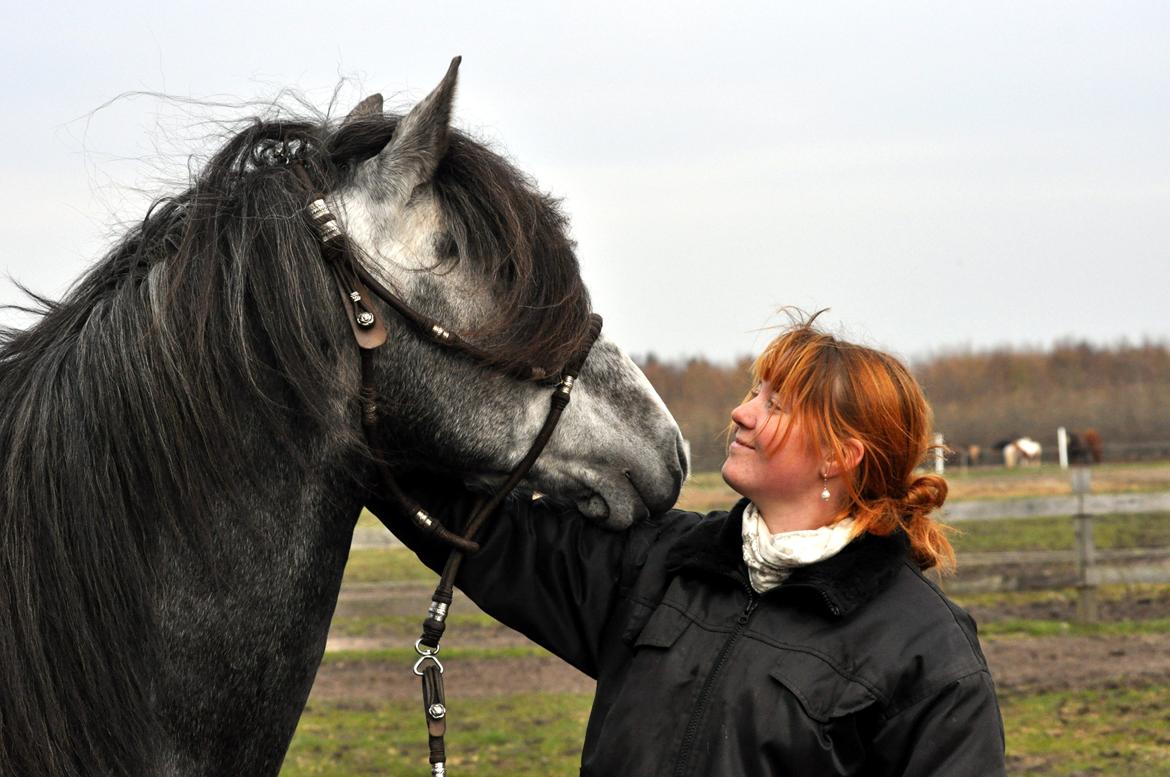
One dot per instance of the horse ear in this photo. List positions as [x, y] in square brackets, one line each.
[420, 140]
[368, 108]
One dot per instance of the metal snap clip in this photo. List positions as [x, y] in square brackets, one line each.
[425, 653]
[418, 664]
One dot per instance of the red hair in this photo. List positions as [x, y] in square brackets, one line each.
[838, 391]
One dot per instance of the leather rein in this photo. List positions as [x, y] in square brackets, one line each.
[354, 283]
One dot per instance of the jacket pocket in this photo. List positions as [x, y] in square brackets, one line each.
[662, 629]
[823, 692]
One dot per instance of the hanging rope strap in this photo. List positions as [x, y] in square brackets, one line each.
[435, 624]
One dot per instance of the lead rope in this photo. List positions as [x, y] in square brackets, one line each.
[352, 281]
[428, 666]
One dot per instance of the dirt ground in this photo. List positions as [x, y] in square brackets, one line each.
[1025, 665]
[1136, 604]
[1037, 664]
[1018, 663]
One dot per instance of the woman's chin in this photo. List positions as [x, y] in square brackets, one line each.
[728, 474]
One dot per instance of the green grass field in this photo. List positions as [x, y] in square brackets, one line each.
[1141, 530]
[1057, 734]
[1068, 734]
[531, 735]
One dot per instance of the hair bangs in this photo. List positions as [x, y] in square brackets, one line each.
[795, 368]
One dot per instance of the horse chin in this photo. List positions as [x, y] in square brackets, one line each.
[613, 503]
[614, 508]
[594, 507]
[615, 512]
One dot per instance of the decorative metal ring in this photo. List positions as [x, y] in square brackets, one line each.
[330, 230]
[425, 650]
[319, 210]
[438, 611]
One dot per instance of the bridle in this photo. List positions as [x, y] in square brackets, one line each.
[353, 281]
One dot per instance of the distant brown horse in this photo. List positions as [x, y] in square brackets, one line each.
[974, 454]
[1085, 447]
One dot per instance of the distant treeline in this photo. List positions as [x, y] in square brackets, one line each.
[1122, 391]
[701, 395]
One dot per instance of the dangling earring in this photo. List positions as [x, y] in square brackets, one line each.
[825, 492]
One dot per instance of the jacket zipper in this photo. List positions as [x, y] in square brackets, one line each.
[833, 608]
[688, 742]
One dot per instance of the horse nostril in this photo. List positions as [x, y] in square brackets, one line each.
[684, 456]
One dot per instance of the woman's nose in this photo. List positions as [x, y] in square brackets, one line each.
[741, 416]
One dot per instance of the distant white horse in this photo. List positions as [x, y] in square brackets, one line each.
[1024, 450]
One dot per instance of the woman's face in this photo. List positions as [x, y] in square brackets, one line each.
[762, 469]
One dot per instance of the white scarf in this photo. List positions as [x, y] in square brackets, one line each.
[770, 558]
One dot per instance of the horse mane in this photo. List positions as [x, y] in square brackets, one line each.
[120, 407]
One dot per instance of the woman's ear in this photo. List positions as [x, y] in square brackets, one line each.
[853, 452]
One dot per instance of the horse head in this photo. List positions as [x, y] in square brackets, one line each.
[181, 433]
[466, 239]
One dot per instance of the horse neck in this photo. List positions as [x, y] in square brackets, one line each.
[243, 635]
[245, 627]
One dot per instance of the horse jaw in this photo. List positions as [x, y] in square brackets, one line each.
[617, 454]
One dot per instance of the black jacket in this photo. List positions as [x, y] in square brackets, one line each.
[857, 665]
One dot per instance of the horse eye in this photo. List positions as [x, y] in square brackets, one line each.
[446, 247]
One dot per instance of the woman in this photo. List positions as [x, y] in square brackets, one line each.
[793, 635]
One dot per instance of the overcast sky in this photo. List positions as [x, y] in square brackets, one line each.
[941, 175]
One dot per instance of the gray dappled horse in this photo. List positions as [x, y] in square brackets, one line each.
[182, 454]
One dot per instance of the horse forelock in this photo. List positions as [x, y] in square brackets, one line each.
[498, 222]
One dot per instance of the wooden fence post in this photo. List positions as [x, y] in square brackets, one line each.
[1086, 551]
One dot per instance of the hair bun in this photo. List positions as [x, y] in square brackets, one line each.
[925, 495]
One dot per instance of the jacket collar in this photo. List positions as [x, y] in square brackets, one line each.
[864, 567]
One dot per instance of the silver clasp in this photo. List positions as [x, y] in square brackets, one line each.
[425, 654]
